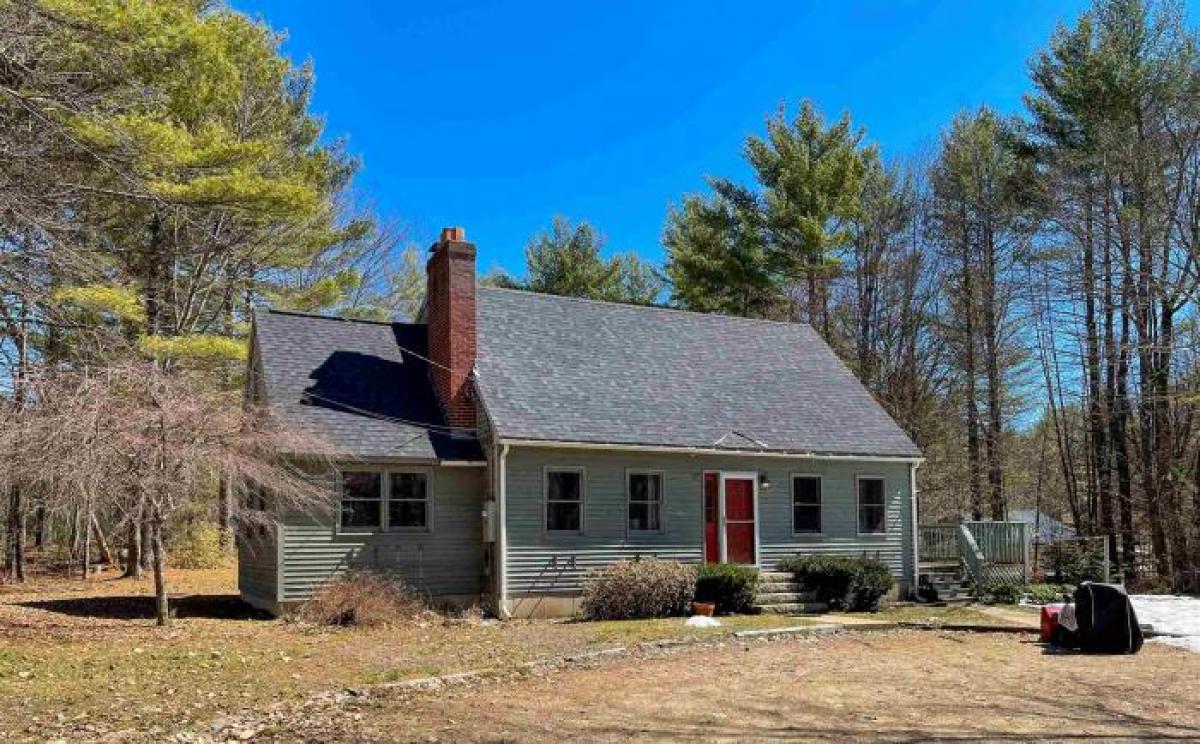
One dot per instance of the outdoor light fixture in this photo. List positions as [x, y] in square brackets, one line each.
[763, 481]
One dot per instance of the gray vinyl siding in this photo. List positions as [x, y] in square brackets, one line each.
[258, 566]
[446, 561]
[548, 563]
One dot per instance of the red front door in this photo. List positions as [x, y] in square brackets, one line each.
[739, 520]
[712, 545]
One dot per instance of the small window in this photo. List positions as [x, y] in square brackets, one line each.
[871, 509]
[408, 501]
[564, 500]
[806, 503]
[362, 500]
[645, 502]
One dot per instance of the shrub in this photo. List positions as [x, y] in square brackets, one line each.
[1155, 584]
[733, 589]
[855, 584]
[645, 587]
[364, 599]
[197, 545]
[1075, 563]
[1047, 593]
[1004, 592]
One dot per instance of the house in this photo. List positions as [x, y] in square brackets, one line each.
[507, 443]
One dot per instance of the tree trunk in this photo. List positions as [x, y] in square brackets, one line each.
[225, 511]
[1116, 394]
[970, 373]
[1119, 425]
[146, 553]
[133, 558]
[1101, 482]
[103, 554]
[162, 615]
[86, 561]
[15, 552]
[991, 340]
[14, 566]
[39, 525]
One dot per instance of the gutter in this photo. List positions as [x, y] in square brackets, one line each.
[502, 532]
[916, 544]
[620, 447]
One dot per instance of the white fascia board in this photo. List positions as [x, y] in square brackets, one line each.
[615, 447]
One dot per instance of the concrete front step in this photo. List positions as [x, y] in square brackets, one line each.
[793, 608]
[792, 597]
[778, 586]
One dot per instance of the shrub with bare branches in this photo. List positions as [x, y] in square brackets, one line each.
[363, 599]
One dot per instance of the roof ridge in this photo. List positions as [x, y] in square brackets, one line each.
[660, 308]
[325, 316]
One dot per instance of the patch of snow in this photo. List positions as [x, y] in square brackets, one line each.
[700, 621]
[1169, 614]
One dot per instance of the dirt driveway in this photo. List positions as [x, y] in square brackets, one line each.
[902, 686]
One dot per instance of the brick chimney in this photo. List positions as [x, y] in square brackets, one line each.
[450, 315]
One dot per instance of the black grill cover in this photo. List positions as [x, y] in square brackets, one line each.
[1107, 623]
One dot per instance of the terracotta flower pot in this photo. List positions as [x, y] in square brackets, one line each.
[704, 608]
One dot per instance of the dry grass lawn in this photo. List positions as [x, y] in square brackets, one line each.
[895, 686]
[82, 661]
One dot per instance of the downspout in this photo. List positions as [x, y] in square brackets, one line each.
[502, 533]
[916, 547]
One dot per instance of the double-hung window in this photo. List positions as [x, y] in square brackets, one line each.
[564, 500]
[408, 501]
[645, 502]
[362, 500]
[806, 503]
[384, 500]
[872, 511]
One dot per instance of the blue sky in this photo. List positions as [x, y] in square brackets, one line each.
[497, 116]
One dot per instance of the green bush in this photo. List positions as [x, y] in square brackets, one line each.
[1074, 564]
[854, 584]
[733, 589]
[1047, 593]
[639, 588]
[197, 545]
[1004, 592]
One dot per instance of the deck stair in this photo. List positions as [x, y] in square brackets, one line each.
[950, 581]
[779, 594]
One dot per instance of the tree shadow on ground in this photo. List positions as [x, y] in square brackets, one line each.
[204, 606]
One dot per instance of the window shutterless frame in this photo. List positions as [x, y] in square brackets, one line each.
[392, 473]
[384, 499]
[546, 501]
[820, 505]
[341, 494]
[629, 502]
[858, 480]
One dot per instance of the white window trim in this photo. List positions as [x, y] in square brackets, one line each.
[429, 500]
[662, 500]
[820, 504]
[546, 471]
[385, 492]
[858, 506]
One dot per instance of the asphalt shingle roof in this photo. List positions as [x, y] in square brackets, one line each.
[564, 369]
[348, 381]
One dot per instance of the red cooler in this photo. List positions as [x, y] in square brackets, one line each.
[1050, 620]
